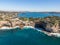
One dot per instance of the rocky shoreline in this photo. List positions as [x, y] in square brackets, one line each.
[49, 24]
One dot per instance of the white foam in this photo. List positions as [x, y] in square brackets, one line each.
[50, 34]
[55, 34]
[28, 27]
[5, 28]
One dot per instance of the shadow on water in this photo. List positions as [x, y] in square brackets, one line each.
[26, 37]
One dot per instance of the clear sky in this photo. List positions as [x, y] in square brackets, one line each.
[30, 5]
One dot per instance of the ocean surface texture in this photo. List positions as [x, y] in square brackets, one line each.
[38, 14]
[26, 36]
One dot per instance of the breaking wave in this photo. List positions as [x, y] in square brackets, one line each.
[26, 36]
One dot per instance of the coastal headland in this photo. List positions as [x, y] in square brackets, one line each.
[48, 24]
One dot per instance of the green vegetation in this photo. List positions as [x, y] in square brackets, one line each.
[53, 19]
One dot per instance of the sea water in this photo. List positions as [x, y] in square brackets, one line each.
[26, 36]
[37, 14]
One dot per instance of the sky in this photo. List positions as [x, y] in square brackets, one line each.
[30, 5]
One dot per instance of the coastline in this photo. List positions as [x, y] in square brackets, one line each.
[10, 20]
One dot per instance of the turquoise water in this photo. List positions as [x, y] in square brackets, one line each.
[37, 14]
[26, 37]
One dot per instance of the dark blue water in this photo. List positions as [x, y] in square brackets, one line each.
[26, 37]
[37, 14]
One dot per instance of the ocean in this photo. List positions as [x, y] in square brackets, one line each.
[37, 14]
[26, 36]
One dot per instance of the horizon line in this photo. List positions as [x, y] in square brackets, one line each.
[25, 11]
